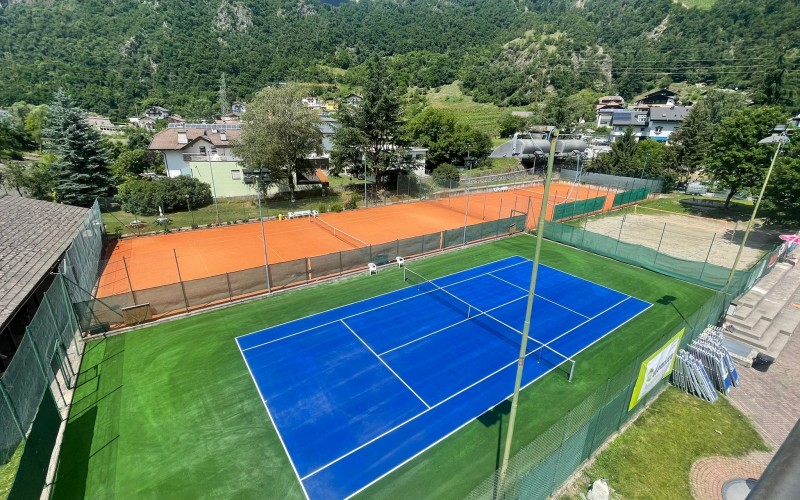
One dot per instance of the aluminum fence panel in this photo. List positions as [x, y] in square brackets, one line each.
[384, 253]
[411, 246]
[248, 281]
[207, 290]
[289, 273]
[324, 266]
[162, 299]
[355, 259]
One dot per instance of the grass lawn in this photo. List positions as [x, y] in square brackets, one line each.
[738, 211]
[171, 410]
[675, 432]
[8, 471]
[482, 116]
[229, 211]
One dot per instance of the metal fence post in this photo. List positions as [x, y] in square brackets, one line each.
[658, 250]
[128, 275]
[12, 410]
[622, 224]
[180, 280]
[708, 254]
[38, 357]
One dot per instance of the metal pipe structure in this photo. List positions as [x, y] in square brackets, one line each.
[259, 184]
[781, 139]
[526, 329]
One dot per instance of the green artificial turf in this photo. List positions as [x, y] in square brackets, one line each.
[171, 410]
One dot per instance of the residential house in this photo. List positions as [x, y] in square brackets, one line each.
[624, 118]
[353, 100]
[665, 120]
[204, 151]
[157, 113]
[604, 109]
[238, 108]
[662, 97]
[143, 122]
[314, 102]
[102, 124]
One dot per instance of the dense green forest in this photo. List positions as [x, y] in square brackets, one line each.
[115, 56]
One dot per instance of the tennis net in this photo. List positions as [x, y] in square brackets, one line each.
[347, 238]
[506, 332]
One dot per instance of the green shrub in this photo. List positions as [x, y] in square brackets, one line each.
[336, 207]
[352, 202]
[322, 208]
[446, 175]
[143, 197]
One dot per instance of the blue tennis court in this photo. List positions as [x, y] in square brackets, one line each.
[356, 391]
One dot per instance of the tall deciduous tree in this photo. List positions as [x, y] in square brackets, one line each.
[447, 140]
[736, 160]
[782, 196]
[278, 133]
[372, 129]
[81, 170]
[694, 138]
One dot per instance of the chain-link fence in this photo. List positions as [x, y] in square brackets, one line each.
[612, 181]
[701, 255]
[33, 388]
[101, 314]
[541, 466]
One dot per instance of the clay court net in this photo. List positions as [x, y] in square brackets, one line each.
[347, 238]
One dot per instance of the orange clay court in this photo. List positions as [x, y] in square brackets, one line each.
[151, 260]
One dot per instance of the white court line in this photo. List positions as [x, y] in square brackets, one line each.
[450, 326]
[524, 260]
[274, 425]
[539, 296]
[368, 310]
[456, 394]
[387, 366]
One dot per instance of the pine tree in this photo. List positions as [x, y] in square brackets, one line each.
[81, 172]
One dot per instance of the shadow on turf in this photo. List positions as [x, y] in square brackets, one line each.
[496, 416]
[76, 450]
[668, 300]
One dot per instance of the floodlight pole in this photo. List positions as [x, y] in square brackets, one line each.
[259, 183]
[526, 329]
[780, 141]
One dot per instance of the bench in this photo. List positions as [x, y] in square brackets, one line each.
[302, 213]
[500, 189]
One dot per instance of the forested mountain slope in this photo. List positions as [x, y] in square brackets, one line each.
[116, 55]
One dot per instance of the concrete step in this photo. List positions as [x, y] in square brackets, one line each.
[770, 336]
[750, 301]
[777, 346]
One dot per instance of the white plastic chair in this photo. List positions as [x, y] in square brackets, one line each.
[400, 261]
[373, 269]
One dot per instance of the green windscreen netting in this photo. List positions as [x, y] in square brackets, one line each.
[699, 272]
[576, 208]
[631, 196]
[542, 465]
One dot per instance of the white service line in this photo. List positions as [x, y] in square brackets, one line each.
[368, 310]
[539, 296]
[387, 366]
[451, 326]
